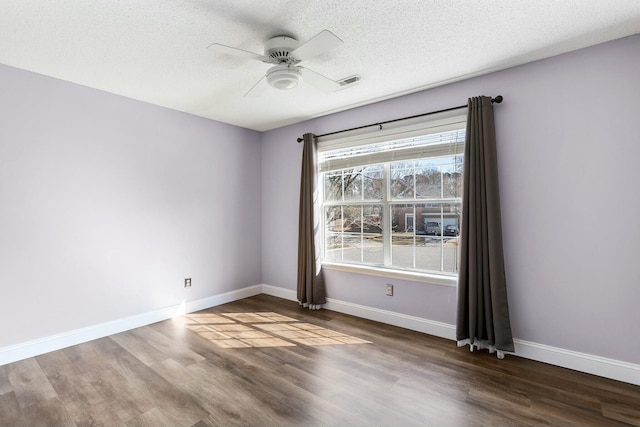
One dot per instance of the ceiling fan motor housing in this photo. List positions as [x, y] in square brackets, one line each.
[284, 76]
[284, 53]
[278, 49]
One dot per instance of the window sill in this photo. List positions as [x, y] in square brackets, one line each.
[432, 279]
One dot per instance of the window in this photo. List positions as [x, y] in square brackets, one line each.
[393, 200]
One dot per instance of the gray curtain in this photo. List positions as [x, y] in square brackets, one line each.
[483, 310]
[311, 291]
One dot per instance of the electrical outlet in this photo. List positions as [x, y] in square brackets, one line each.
[187, 282]
[389, 289]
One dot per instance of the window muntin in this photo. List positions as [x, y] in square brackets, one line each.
[353, 234]
[376, 213]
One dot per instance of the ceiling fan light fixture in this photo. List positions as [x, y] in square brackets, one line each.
[284, 77]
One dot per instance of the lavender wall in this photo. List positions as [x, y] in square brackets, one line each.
[107, 204]
[568, 152]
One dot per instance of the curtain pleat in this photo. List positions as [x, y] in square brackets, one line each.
[311, 290]
[483, 310]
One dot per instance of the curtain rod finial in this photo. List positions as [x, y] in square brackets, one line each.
[300, 140]
[498, 99]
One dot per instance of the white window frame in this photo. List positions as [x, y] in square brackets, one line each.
[399, 130]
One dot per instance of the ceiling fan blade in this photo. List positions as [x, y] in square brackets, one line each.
[221, 48]
[319, 81]
[257, 89]
[317, 45]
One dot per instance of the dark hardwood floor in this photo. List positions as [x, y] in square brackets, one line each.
[326, 369]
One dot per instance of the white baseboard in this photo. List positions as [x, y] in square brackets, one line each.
[419, 324]
[596, 365]
[283, 293]
[583, 362]
[224, 298]
[601, 366]
[66, 339]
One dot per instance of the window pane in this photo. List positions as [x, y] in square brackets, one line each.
[402, 180]
[333, 244]
[352, 179]
[342, 235]
[373, 182]
[425, 236]
[353, 233]
[430, 254]
[352, 218]
[452, 177]
[333, 247]
[373, 249]
[403, 235]
[352, 247]
[333, 186]
[450, 254]
[428, 180]
[372, 245]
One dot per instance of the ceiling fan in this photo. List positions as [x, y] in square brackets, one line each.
[285, 53]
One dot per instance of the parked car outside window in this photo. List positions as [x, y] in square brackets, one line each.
[451, 230]
[432, 227]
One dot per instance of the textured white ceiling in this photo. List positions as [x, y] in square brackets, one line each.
[155, 50]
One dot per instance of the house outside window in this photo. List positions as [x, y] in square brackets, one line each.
[392, 200]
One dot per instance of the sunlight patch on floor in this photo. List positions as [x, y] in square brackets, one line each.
[263, 329]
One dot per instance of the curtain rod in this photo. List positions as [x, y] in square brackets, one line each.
[497, 100]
